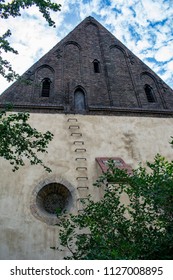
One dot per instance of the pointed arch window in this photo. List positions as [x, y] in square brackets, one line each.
[96, 65]
[79, 100]
[149, 93]
[46, 83]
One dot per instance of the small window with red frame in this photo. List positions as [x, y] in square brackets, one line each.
[119, 163]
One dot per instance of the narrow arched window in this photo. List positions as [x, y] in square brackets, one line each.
[45, 88]
[149, 93]
[79, 100]
[96, 65]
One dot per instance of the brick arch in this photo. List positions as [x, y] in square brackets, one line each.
[73, 43]
[121, 83]
[150, 80]
[118, 47]
[45, 66]
[92, 32]
[72, 62]
[80, 87]
[43, 72]
[146, 73]
[91, 23]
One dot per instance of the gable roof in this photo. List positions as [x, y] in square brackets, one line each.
[122, 83]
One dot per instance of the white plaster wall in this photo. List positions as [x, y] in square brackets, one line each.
[134, 139]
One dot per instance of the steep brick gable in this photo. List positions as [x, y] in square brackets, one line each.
[91, 61]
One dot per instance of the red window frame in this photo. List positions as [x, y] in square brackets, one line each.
[119, 163]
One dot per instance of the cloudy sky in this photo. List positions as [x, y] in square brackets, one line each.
[144, 26]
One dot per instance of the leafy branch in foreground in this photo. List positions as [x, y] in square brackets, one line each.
[5, 67]
[19, 141]
[6, 70]
[133, 220]
[13, 9]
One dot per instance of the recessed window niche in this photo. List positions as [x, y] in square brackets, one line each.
[53, 198]
[50, 200]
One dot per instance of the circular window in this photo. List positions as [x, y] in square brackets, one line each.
[50, 200]
[53, 198]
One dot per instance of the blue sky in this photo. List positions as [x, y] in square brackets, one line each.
[144, 26]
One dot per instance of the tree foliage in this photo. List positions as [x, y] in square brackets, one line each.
[19, 141]
[13, 9]
[133, 220]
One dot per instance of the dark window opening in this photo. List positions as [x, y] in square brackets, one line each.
[53, 198]
[79, 100]
[45, 88]
[96, 66]
[149, 93]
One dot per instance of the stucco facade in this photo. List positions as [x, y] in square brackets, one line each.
[23, 235]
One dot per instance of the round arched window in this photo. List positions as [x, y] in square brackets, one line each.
[53, 198]
[49, 200]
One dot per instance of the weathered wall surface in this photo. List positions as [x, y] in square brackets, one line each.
[78, 140]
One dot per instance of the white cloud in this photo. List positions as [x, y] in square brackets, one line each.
[154, 9]
[170, 66]
[164, 53]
